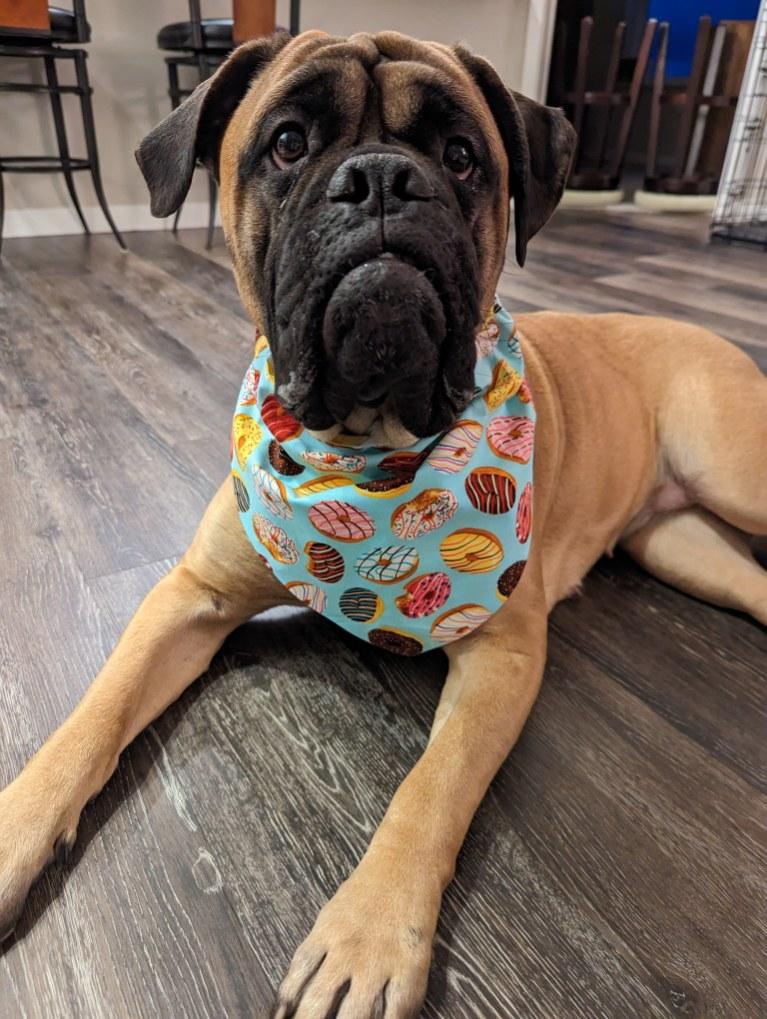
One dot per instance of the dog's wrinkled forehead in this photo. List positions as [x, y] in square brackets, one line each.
[384, 86]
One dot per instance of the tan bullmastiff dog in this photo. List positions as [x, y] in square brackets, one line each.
[378, 148]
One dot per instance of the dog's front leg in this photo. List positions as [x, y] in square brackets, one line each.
[218, 584]
[368, 955]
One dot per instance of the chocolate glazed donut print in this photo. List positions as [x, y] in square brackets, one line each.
[408, 549]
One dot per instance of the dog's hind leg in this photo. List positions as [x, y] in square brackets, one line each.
[695, 551]
[218, 584]
[713, 434]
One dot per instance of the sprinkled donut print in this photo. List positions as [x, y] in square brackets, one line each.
[509, 579]
[282, 462]
[506, 382]
[342, 521]
[424, 595]
[250, 387]
[271, 492]
[361, 605]
[246, 435]
[390, 639]
[276, 542]
[512, 438]
[439, 530]
[525, 513]
[338, 463]
[458, 623]
[490, 490]
[487, 338]
[456, 448]
[389, 564]
[385, 488]
[429, 510]
[324, 562]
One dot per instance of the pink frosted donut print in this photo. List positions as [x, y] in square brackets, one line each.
[424, 595]
[342, 521]
[525, 513]
[512, 438]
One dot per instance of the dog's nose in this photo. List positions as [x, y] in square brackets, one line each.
[379, 182]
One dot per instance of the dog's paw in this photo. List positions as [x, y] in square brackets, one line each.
[28, 843]
[368, 954]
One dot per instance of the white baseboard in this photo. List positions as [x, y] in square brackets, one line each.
[63, 220]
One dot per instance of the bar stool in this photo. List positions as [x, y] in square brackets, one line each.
[66, 26]
[204, 44]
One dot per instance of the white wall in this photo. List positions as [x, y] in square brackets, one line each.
[130, 91]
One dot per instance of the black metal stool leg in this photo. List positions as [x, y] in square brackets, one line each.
[90, 141]
[2, 209]
[174, 91]
[61, 136]
[212, 203]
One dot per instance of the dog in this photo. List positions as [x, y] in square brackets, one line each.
[399, 155]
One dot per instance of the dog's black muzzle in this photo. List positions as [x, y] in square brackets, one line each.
[392, 279]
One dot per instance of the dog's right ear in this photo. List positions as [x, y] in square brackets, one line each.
[193, 131]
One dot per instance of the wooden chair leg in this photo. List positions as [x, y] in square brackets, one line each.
[610, 81]
[659, 79]
[692, 98]
[636, 86]
[558, 90]
[579, 105]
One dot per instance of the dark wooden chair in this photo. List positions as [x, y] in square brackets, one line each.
[602, 117]
[203, 44]
[692, 102]
[57, 41]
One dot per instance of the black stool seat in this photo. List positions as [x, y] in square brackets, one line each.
[63, 29]
[217, 34]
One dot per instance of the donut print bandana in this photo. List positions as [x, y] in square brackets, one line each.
[408, 549]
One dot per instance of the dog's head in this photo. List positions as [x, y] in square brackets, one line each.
[365, 187]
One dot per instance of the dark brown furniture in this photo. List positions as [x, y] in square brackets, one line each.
[602, 116]
[27, 36]
[203, 44]
[711, 87]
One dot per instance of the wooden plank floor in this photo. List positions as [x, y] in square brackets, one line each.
[617, 866]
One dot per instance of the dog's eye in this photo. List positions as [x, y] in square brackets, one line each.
[459, 157]
[289, 145]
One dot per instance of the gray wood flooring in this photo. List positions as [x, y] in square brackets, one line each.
[617, 866]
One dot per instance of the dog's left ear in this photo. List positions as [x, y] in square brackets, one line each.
[193, 131]
[539, 143]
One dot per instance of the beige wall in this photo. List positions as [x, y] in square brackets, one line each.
[130, 90]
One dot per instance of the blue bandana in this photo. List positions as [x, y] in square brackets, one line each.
[408, 549]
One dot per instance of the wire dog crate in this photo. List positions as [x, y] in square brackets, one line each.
[741, 205]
